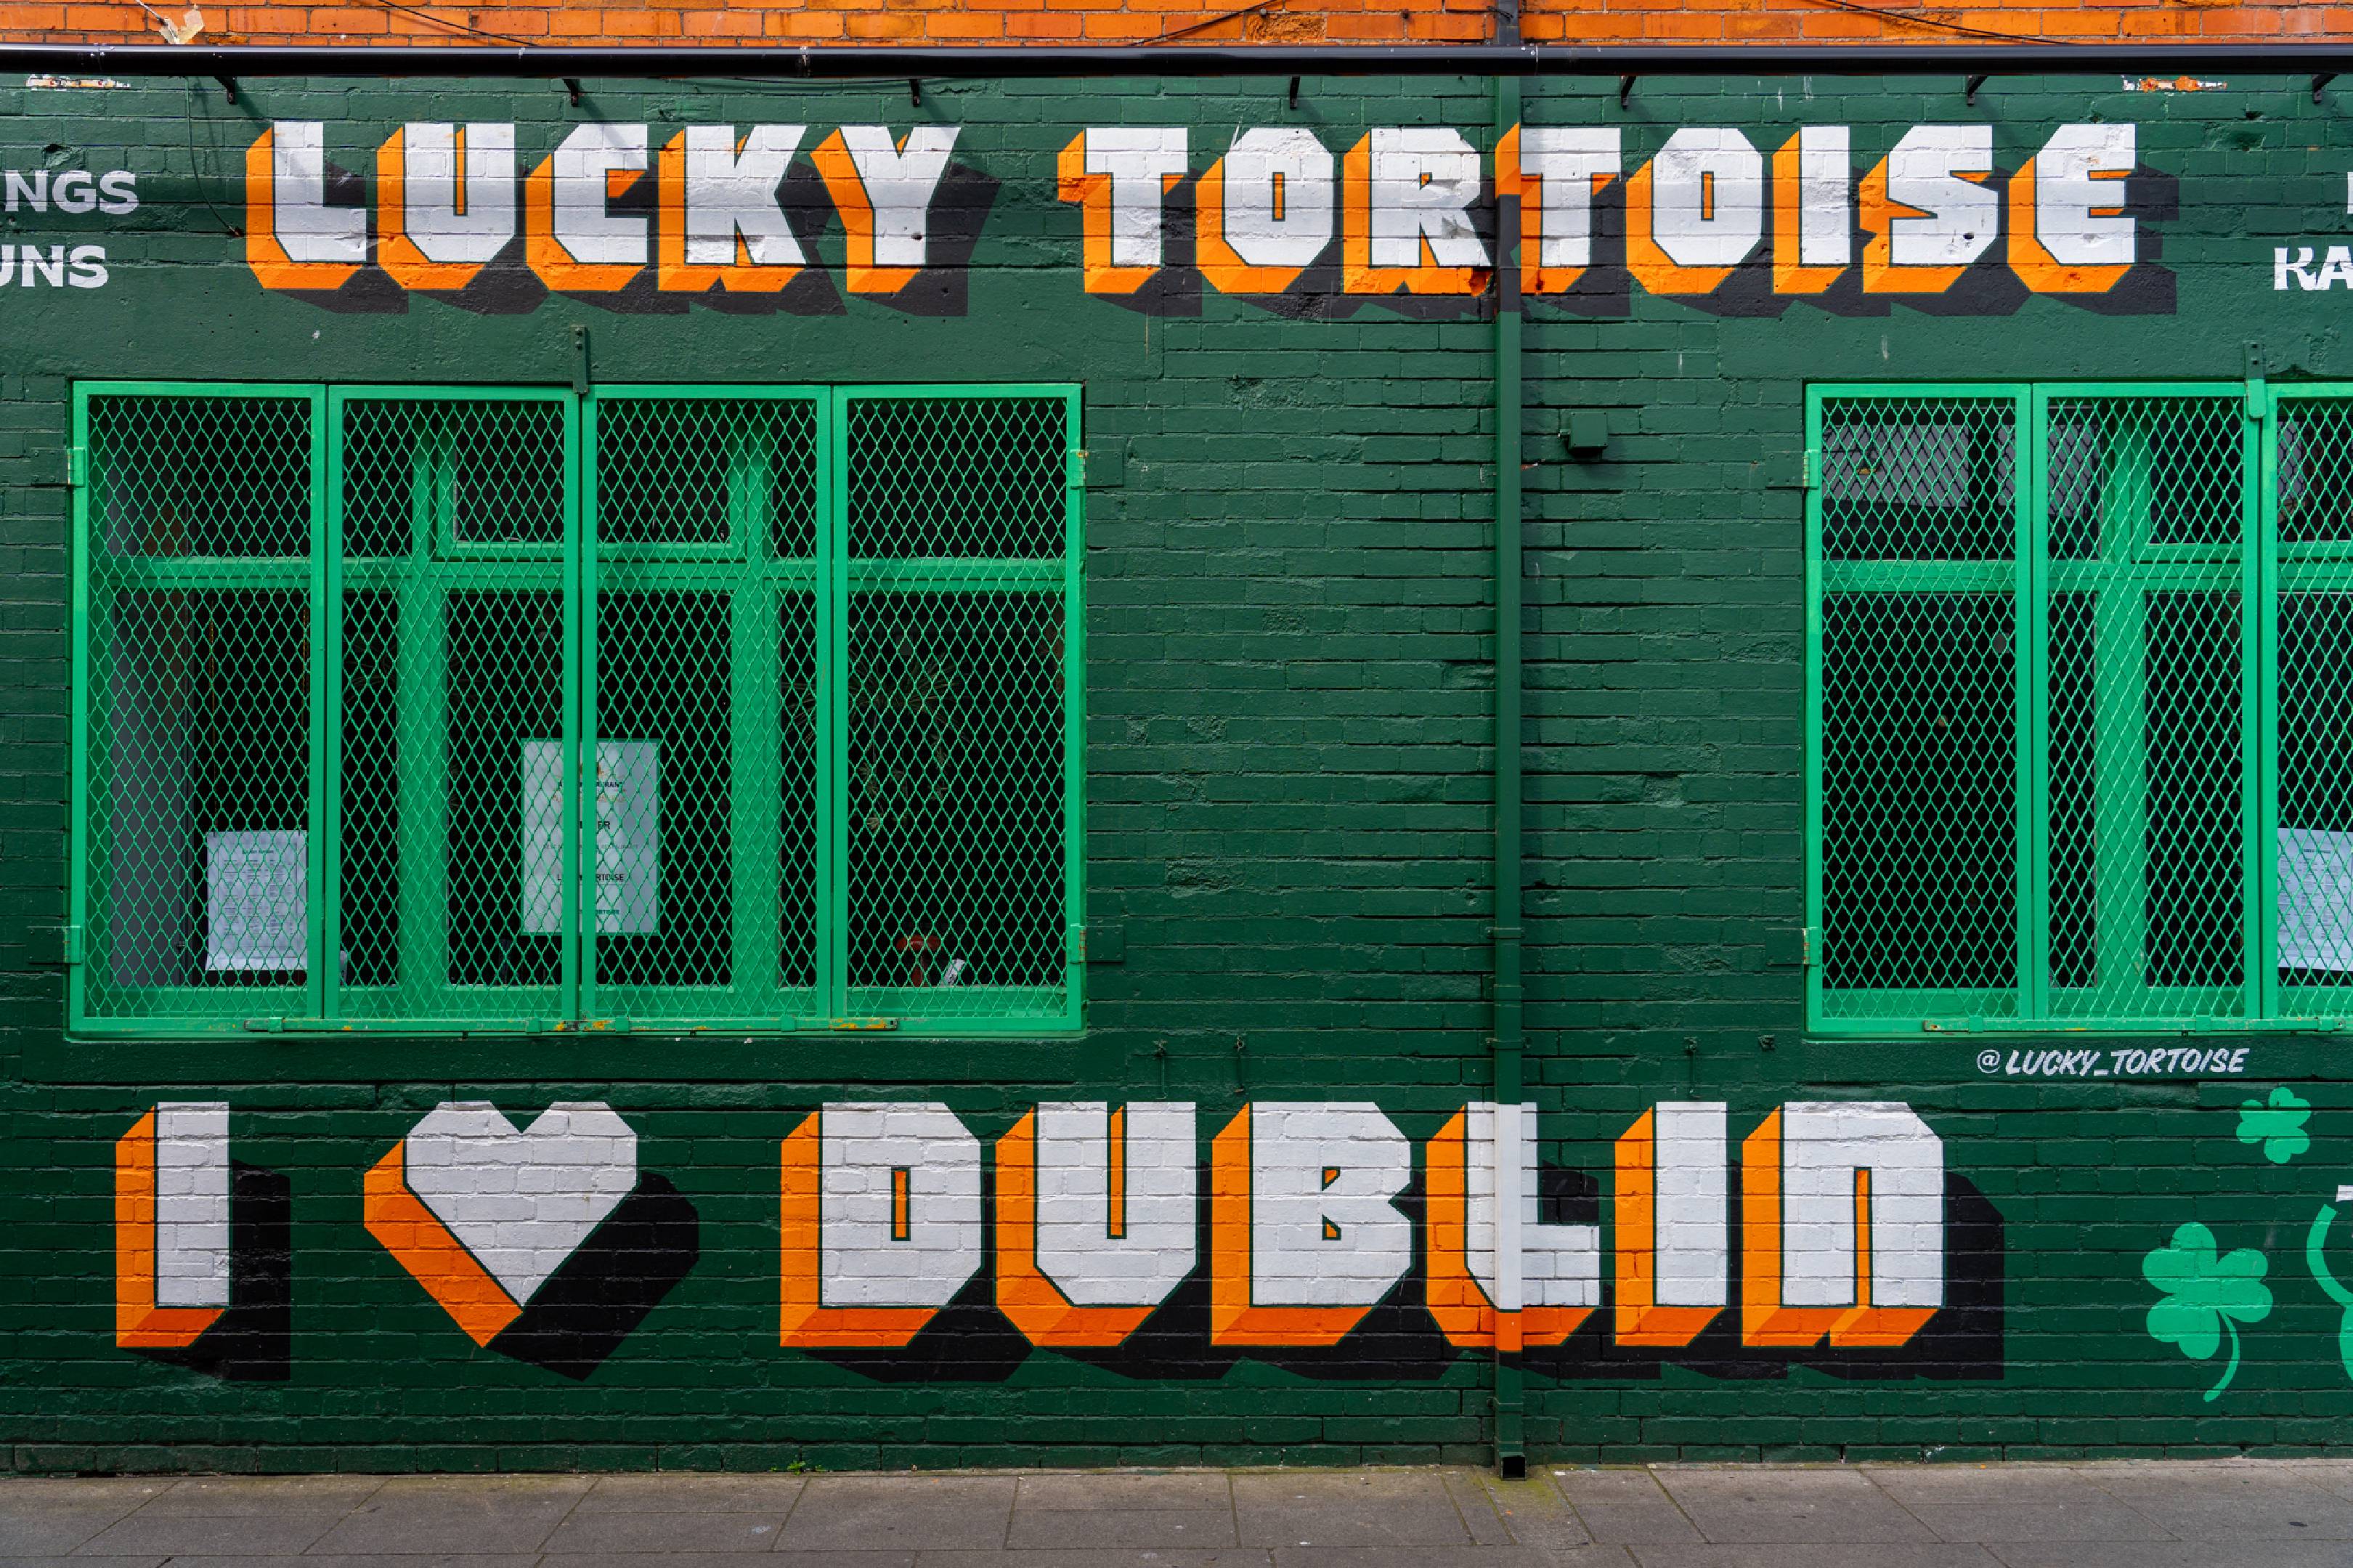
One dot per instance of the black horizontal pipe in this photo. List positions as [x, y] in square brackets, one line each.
[836, 63]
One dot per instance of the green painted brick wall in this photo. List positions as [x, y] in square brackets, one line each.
[1289, 691]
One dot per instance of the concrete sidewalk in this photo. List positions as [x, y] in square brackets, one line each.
[2220, 1514]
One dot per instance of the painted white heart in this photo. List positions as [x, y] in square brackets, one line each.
[521, 1200]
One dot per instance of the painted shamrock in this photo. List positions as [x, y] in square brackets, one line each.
[2202, 1295]
[2278, 1127]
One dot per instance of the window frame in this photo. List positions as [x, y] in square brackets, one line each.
[313, 1006]
[2249, 566]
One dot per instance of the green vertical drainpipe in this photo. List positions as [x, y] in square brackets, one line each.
[1511, 1459]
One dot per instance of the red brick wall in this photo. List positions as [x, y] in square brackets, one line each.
[1120, 21]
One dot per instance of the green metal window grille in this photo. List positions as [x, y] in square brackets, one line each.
[490, 711]
[2080, 708]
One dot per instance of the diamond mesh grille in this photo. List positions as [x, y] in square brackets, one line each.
[2311, 904]
[200, 806]
[957, 476]
[2074, 729]
[1918, 479]
[1918, 790]
[172, 478]
[2147, 832]
[955, 800]
[757, 848]
[452, 818]
[707, 472]
[462, 472]
[197, 755]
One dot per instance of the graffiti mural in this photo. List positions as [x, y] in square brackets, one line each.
[729, 213]
[201, 1256]
[1315, 1234]
[1313, 1222]
[543, 1243]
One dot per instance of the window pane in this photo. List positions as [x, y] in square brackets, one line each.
[666, 748]
[2315, 788]
[676, 470]
[2146, 820]
[956, 477]
[200, 754]
[506, 900]
[2125, 473]
[1919, 794]
[464, 472]
[180, 477]
[797, 766]
[1918, 479]
[955, 803]
[2314, 473]
[371, 794]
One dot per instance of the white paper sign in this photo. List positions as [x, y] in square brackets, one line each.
[2316, 900]
[628, 837]
[256, 901]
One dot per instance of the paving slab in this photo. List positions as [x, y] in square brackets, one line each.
[1759, 1506]
[1296, 1510]
[1095, 1491]
[853, 1513]
[2232, 1503]
[659, 1493]
[1624, 1505]
[1417, 1557]
[231, 1496]
[1097, 1557]
[1477, 1510]
[2168, 1554]
[142, 1535]
[2012, 1502]
[422, 1560]
[1170, 1527]
[459, 1515]
[1532, 1512]
[617, 1530]
[1817, 1554]
[46, 1516]
[705, 1560]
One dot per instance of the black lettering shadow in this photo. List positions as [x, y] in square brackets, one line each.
[506, 286]
[2151, 197]
[252, 1341]
[967, 1341]
[1963, 1341]
[1397, 1339]
[646, 1245]
[960, 209]
[1175, 289]
[369, 291]
[1605, 289]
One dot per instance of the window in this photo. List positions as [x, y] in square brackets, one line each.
[653, 707]
[2080, 707]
